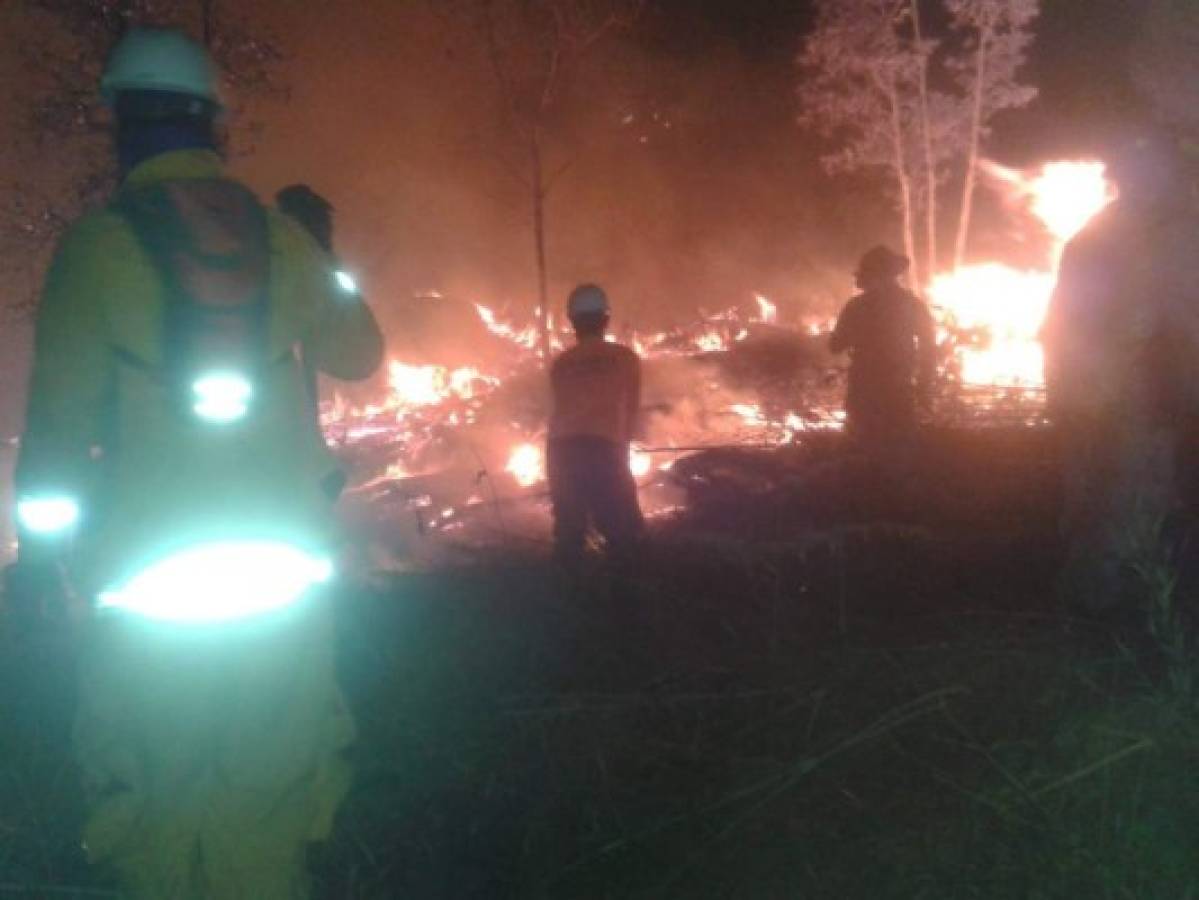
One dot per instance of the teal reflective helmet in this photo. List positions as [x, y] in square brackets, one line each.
[162, 60]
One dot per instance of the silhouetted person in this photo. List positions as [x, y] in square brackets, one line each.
[596, 387]
[1122, 371]
[888, 333]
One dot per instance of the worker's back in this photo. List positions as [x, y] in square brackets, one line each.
[889, 335]
[596, 387]
[105, 414]
[880, 328]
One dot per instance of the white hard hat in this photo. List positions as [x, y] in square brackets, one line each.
[160, 59]
[587, 299]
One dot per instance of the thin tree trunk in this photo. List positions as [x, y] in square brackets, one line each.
[543, 302]
[208, 22]
[930, 175]
[976, 116]
[904, 181]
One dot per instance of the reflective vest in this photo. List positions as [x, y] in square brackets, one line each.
[114, 357]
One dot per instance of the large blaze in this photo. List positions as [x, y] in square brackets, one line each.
[1004, 306]
[481, 426]
[428, 405]
[1067, 195]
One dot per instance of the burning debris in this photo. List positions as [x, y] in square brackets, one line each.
[444, 442]
[448, 440]
[995, 310]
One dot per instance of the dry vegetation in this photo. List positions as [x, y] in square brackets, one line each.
[789, 701]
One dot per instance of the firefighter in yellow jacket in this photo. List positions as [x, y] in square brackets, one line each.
[172, 465]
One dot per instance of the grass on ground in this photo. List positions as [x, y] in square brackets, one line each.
[876, 715]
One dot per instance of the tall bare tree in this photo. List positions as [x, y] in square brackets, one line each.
[998, 34]
[859, 85]
[535, 49]
[924, 49]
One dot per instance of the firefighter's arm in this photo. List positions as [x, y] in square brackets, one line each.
[342, 338]
[347, 343]
[842, 337]
[69, 385]
[636, 422]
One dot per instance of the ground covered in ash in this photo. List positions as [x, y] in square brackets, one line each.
[819, 682]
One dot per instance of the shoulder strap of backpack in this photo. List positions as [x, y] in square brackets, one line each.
[209, 241]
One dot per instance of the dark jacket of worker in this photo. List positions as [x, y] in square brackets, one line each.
[889, 335]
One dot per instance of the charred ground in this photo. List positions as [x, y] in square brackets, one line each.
[793, 695]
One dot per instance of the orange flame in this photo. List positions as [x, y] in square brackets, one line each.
[709, 341]
[1067, 195]
[767, 312]
[430, 385]
[526, 337]
[640, 463]
[526, 464]
[1009, 304]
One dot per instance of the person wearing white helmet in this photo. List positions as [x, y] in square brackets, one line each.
[171, 464]
[596, 392]
[164, 92]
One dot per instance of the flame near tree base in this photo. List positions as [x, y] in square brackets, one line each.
[1002, 307]
[989, 315]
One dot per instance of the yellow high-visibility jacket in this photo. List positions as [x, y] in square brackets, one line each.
[103, 427]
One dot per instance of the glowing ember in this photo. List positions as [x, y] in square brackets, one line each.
[829, 420]
[525, 337]
[640, 463]
[750, 413]
[526, 464]
[397, 471]
[767, 311]
[430, 385]
[818, 325]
